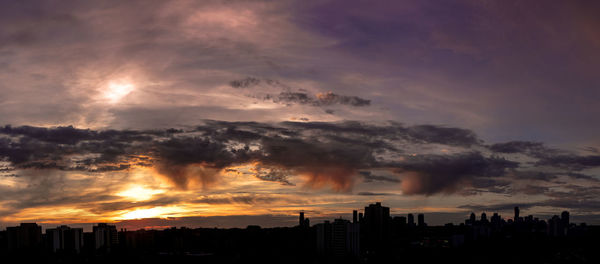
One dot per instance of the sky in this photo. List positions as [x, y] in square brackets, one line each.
[151, 114]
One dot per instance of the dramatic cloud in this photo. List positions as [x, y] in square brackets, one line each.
[430, 174]
[328, 154]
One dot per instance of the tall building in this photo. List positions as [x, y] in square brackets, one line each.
[411, 220]
[65, 239]
[354, 216]
[516, 219]
[345, 238]
[324, 237]
[26, 236]
[472, 219]
[303, 222]
[484, 217]
[377, 223]
[554, 224]
[421, 220]
[564, 217]
[105, 236]
[340, 238]
[496, 220]
[564, 220]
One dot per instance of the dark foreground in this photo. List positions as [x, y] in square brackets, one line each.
[299, 245]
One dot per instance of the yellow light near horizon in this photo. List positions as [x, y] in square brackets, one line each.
[142, 213]
[139, 193]
[154, 212]
[115, 91]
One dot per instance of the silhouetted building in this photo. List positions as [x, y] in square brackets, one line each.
[324, 237]
[564, 219]
[105, 237]
[471, 220]
[554, 225]
[496, 221]
[65, 239]
[376, 226]
[421, 220]
[303, 222]
[411, 220]
[3, 242]
[340, 238]
[558, 226]
[26, 236]
[381, 238]
[345, 238]
[516, 218]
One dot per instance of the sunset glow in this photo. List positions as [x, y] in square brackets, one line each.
[236, 113]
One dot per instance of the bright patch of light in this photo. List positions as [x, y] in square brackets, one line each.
[142, 213]
[139, 193]
[115, 91]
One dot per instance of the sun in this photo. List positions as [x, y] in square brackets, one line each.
[115, 91]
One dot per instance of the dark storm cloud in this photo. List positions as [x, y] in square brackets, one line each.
[369, 177]
[329, 154]
[431, 174]
[274, 175]
[549, 157]
[47, 148]
[571, 162]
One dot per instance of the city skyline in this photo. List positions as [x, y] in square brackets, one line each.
[232, 113]
[303, 219]
[372, 233]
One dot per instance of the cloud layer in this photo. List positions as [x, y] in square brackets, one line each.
[429, 159]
